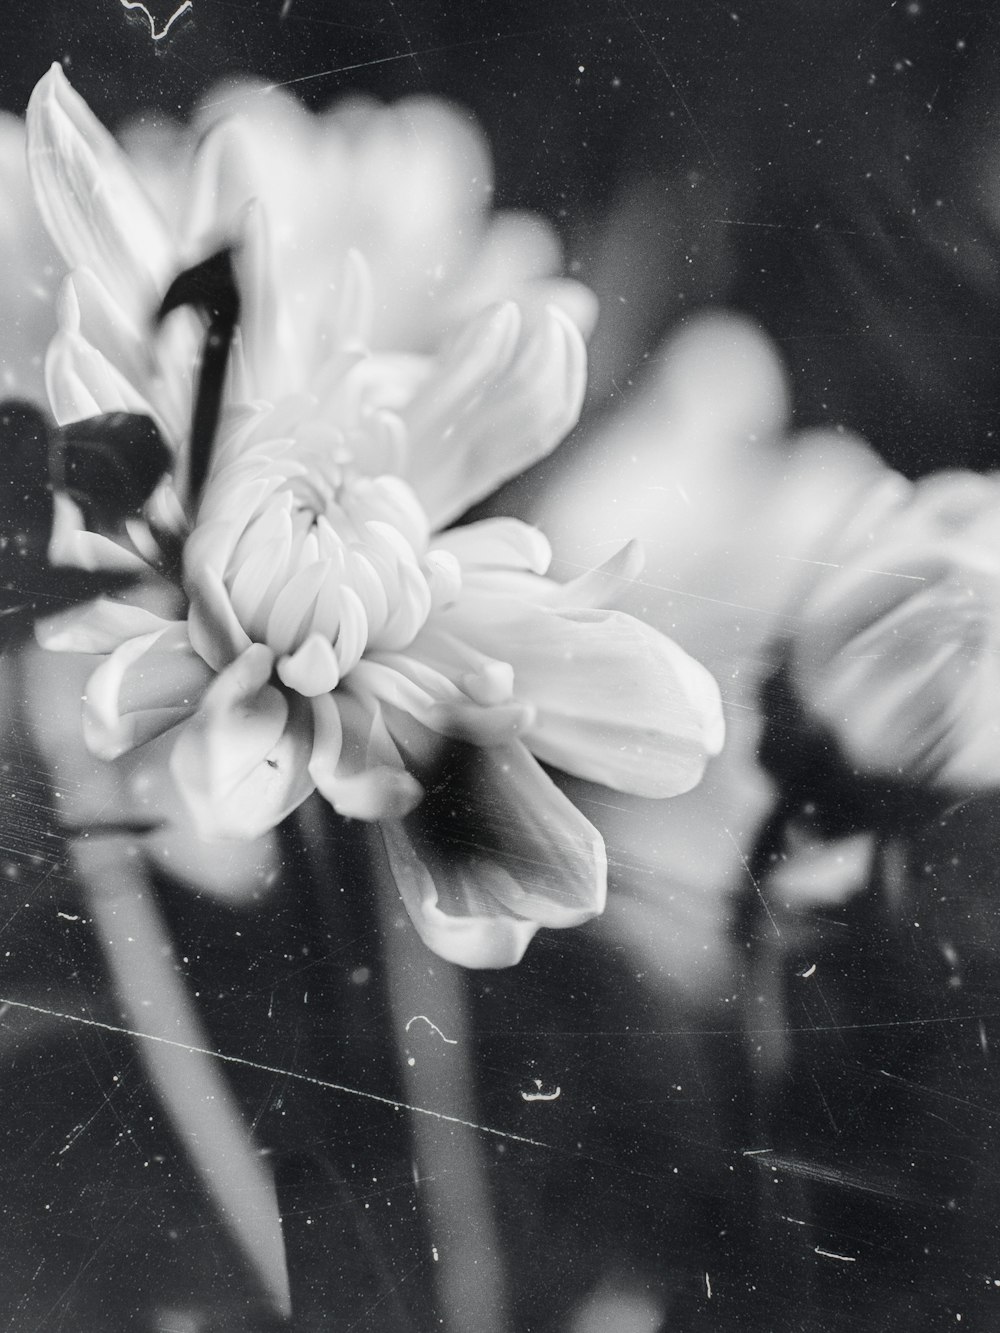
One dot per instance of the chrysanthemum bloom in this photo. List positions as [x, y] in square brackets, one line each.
[896, 649]
[338, 634]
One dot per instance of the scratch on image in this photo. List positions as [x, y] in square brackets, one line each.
[540, 1096]
[452, 1041]
[159, 34]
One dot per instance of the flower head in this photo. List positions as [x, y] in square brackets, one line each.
[897, 648]
[335, 633]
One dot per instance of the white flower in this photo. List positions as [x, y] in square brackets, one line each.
[735, 514]
[898, 647]
[339, 635]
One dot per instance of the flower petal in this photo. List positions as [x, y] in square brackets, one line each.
[236, 872]
[477, 939]
[617, 702]
[99, 627]
[504, 395]
[116, 358]
[81, 382]
[417, 689]
[95, 209]
[72, 544]
[146, 686]
[914, 693]
[215, 631]
[606, 585]
[354, 762]
[497, 846]
[266, 340]
[502, 543]
[312, 669]
[241, 763]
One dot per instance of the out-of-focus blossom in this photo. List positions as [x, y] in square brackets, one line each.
[735, 515]
[897, 647]
[340, 636]
[30, 277]
[409, 185]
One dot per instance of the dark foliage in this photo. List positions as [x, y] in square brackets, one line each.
[107, 464]
[210, 288]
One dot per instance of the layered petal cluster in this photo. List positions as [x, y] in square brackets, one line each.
[897, 647]
[335, 633]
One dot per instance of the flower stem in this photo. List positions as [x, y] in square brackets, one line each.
[434, 1044]
[193, 1093]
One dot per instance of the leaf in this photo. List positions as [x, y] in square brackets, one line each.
[111, 464]
[806, 760]
[25, 488]
[29, 585]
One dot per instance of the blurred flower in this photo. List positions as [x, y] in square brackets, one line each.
[339, 635]
[733, 512]
[30, 277]
[896, 648]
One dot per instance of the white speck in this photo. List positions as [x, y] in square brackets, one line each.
[434, 1253]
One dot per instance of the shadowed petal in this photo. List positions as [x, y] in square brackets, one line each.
[354, 762]
[71, 543]
[481, 938]
[494, 851]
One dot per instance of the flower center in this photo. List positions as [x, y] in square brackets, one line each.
[331, 563]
